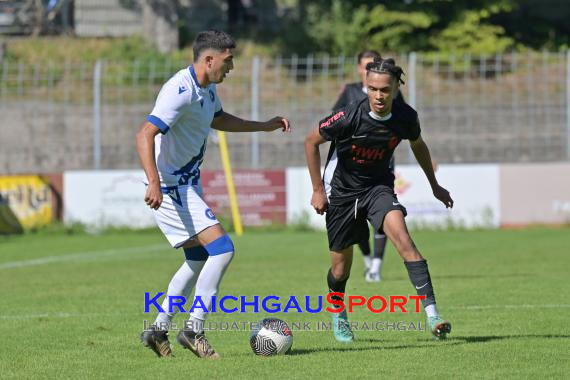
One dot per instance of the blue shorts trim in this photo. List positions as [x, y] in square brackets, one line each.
[220, 246]
[198, 253]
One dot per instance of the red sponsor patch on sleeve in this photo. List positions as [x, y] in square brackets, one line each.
[331, 119]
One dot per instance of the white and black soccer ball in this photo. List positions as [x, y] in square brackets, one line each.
[271, 336]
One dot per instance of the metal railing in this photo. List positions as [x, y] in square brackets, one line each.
[64, 116]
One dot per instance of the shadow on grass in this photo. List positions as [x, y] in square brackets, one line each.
[455, 341]
[490, 338]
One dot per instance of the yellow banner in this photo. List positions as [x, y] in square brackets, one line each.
[25, 203]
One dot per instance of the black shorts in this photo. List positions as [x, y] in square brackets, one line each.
[346, 224]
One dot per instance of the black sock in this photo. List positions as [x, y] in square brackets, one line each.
[336, 286]
[419, 275]
[364, 246]
[379, 246]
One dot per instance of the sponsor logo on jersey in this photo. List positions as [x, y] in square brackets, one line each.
[332, 119]
[172, 192]
[364, 154]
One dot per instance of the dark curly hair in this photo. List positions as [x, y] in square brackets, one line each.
[386, 66]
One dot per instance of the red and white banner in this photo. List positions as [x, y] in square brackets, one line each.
[260, 194]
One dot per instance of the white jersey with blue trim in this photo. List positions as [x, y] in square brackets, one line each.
[183, 112]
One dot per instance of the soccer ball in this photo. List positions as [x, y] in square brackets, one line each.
[271, 336]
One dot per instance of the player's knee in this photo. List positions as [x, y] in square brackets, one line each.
[340, 272]
[220, 246]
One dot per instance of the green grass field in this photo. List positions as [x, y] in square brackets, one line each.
[72, 307]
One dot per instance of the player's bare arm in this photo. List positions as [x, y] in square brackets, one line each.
[229, 123]
[145, 148]
[421, 152]
[319, 198]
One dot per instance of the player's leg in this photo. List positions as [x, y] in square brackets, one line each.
[183, 281]
[364, 246]
[373, 274]
[339, 272]
[341, 262]
[220, 251]
[180, 285]
[345, 227]
[170, 218]
[395, 228]
[380, 240]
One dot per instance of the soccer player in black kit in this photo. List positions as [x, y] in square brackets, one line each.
[354, 92]
[358, 185]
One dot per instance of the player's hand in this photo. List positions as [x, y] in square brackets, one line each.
[443, 195]
[279, 122]
[319, 201]
[153, 197]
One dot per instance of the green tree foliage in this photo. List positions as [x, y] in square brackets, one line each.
[394, 30]
[472, 33]
[338, 30]
[345, 30]
[449, 26]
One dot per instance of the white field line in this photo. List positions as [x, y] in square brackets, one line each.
[91, 315]
[56, 315]
[84, 256]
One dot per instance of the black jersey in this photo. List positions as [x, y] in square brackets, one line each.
[362, 147]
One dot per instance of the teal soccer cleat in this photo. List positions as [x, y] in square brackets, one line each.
[341, 327]
[439, 327]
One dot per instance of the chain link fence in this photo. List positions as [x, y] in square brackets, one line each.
[62, 116]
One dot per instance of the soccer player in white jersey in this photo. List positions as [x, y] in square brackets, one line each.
[171, 146]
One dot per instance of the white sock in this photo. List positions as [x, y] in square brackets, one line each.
[431, 310]
[196, 324]
[375, 265]
[208, 285]
[181, 285]
[367, 261]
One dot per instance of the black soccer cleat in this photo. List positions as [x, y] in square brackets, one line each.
[157, 340]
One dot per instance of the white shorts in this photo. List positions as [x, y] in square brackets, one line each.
[183, 214]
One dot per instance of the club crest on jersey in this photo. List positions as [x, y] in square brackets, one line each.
[212, 96]
[210, 214]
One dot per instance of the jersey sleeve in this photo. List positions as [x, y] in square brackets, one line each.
[408, 120]
[336, 125]
[172, 99]
[414, 130]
